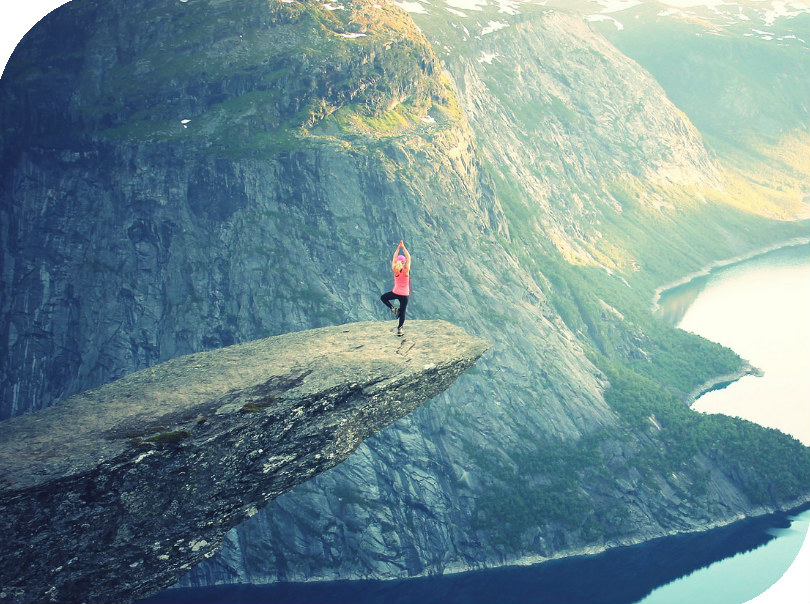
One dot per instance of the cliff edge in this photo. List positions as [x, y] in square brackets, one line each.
[115, 493]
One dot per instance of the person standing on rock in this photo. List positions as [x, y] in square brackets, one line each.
[401, 267]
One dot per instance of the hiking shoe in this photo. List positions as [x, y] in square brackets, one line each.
[394, 312]
[400, 332]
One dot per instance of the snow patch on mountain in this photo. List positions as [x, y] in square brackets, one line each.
[783, 9]
[493, 26]
[487, 57]
[509, 7]
[595, 18]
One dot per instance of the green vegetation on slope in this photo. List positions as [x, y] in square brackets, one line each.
[771, 466]
[659, 233]
[246, 77]
[651, 367]
[659, 438]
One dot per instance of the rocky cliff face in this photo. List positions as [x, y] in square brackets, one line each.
[117, 492]
[565, 133]
[737, 70]
[193, 175]
[193, 246]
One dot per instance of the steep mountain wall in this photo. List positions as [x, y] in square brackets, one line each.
[563, 117]
[738, 72]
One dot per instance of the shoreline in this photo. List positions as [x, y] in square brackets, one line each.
[745, 370]
[706, 270]
[796, 506]
[791, 508]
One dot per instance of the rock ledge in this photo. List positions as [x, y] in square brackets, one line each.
[115, 493]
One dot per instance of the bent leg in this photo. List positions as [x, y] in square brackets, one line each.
[386, 299]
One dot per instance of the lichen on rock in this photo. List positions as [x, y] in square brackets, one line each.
[114, 493]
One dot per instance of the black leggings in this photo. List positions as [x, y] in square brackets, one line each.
[403, 304]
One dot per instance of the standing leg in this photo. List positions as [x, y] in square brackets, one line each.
[403, 304]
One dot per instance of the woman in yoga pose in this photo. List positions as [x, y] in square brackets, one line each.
[401, 267]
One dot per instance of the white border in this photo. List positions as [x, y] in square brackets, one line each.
[16, 19]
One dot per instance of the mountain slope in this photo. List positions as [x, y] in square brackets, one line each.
[567, 119]
[738, 70]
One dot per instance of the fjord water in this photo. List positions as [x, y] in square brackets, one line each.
[766, 297]
[759, 309]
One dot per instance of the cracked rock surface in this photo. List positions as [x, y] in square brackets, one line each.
[116, 492]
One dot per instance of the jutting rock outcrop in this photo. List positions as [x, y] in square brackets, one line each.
[116, 492]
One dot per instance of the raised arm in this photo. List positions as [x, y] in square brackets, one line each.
[396, 253]
[407, 258]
